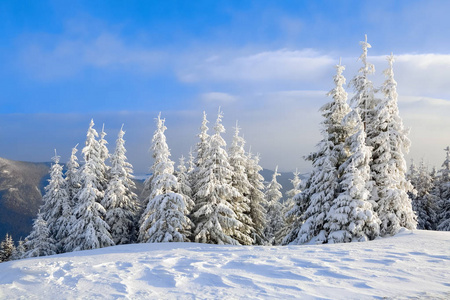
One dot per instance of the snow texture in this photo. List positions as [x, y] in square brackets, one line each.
[411, 265]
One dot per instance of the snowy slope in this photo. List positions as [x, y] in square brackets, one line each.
[408, 265]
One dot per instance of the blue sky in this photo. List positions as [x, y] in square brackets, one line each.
[267, 63]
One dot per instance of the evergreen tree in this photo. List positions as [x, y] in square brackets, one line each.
[288, 205]
[19, 251]
[213, 214]
[73, 175]
[191, 162]
[40, 242]
[165, 217]
[239, 180]
[322, 187]
[56, 209]
[275, 221]
[444, 193]
[351, 217]
[257, 200]
[388, 167]
[89, 230]
[184, 186]
[424, 203]
[120, 202]
[7, 249]
[201, 149]
[103, 155]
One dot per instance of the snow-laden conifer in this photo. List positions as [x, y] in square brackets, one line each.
[104, 155]
[120, 201]
[19, 251]
[56, 209]
[444, 193]
[73, 175]
[389, 141]
[39, 242]
[314, 202]
[275, 220]
[239, 180]
[165, 216]
[351, 216]
[89, 230]
[214, 218]
[201, 150]
[7, 248]
[288, 205]
[184, 186]
[424, 203]
[256, 196]
[191, 162]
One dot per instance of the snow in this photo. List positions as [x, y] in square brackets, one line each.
[411, 264]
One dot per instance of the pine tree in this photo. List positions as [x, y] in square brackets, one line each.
[184, 186]
[351, 217]
[201, 149]
[89, 230]
[7, 248]
[424, 203]
[289, 219]
[388, 167]
[275, 221]
[257, 200]
[239, 180]
[73, 175]
[444, 193]
[213, 214]
[39, 242]
[314, 202]
[103, 155]
[120, 202]
[56, 209]
[165, 217]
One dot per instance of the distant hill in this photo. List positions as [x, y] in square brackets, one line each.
[22, 186]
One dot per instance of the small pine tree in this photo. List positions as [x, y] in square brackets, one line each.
[213, 214]
[40, 242]
[165, 217]
[56, 209]
[73, 175]
[257, 200]
[201, 149]
[7, 248]
[444, 193]
[184, 186]
[19, 251]
[239, 180]
[120, 202]
[275, 221]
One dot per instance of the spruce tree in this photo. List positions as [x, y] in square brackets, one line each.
[39, 242]
[19, 251]
[288, 218]
[120, 201]
[7, 248]
[351, 216]
[275, 221]
[322, 187]
[73, 175]
[184, 186]
[89, 230]
[56, 209]
[201, 150]
[165, 217]
[390, 142]
[257, 200]
[239, 180]
[214, 218]
[444, 193]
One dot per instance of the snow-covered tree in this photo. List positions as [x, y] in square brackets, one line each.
[239, 180]
[389, 141]
[257, 200]
[202, 148]
[191, 162]
[19, 251]
[89, 230]
[56, 209]
[351, 216]
[322, 187]
[40, 242]
[288, 205]
[120, 201]
[184, 186]
[104, 155]
[73, 175]
[444, 193]
[213, 215]
[275, 220]
[424, 203]
[165, 217]
[7, 248]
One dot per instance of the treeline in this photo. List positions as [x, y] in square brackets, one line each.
[358, 189]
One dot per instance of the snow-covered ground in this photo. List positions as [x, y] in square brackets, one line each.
[409, 265]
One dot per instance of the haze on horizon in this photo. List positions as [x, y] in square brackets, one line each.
[267, 64]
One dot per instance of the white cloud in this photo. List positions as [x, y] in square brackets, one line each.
[304, 65]
[218, 98]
